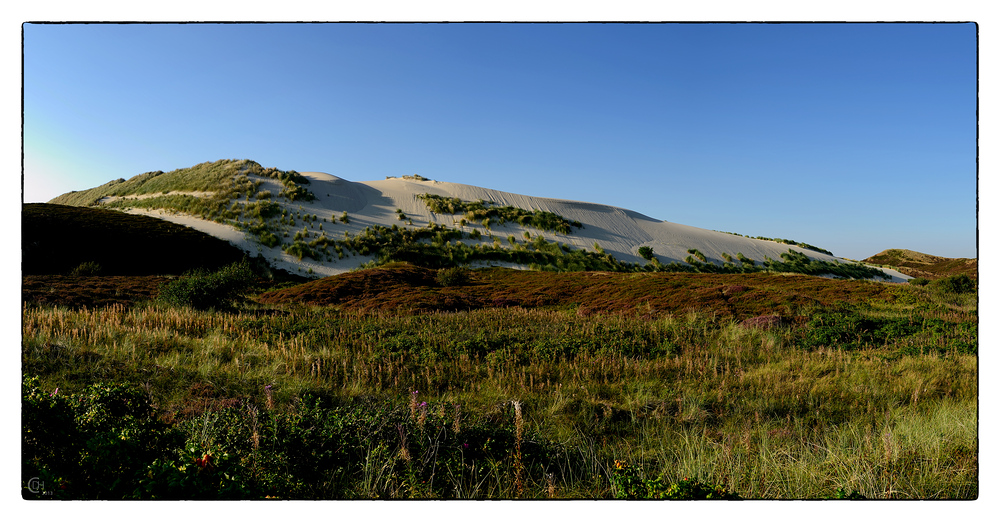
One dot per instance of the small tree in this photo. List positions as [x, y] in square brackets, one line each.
[647, 253]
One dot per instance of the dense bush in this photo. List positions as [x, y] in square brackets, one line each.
[92, 445]
[647, 253]
[851, 329]
[204, 290]
[957, 284]
[105, 443]
[629, 485]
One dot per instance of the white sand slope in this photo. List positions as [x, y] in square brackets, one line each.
[618, 231]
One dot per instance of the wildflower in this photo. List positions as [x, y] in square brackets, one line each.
[204, 461]
[54, 393]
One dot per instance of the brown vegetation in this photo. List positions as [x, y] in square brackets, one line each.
[89, 291]
[916, 264]
[407, 288]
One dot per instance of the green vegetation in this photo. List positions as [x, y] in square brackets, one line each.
[204, 177]
[230, 195]
[438, 246]
[204, 290]
[697, 253]
[957, 284]
[87, 268]
[876, 398]
[647, 253]
[486, 212]
[806, 246]
[452, 276]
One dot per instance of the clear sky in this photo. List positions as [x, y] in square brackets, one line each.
[851, 137]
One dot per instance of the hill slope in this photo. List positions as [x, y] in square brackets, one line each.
[319, 224]
[58, 238]
[916, 264]
[407, 288]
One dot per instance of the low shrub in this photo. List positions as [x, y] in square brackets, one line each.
[203, 291]
[87, 268]
[627, 484]
[957, 284]
[454, 276]
[91, 445]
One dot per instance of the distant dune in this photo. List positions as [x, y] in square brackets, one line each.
[295, 220]
[916, 264]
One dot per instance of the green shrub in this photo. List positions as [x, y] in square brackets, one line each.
[697, 253]
[647, 253]
[454, 276]
[300, 250]
[956, 284]
[268, 239]
[203, 291]
[87, 268]
[95, 444]
[919, 281]
[296, 193]
[627, 484]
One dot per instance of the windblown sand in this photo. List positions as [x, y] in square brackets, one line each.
[618, 231]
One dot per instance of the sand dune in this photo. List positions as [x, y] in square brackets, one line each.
[618, 231]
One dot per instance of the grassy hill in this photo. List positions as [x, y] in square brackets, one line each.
[58, 239]
[917, 264]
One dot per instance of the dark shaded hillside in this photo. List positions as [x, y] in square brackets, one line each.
[56, 239]
[916, 264]
[89, 291]
[406, 288]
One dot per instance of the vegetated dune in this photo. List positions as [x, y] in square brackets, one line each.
[301, 226]
[916, 264]
[56, 239]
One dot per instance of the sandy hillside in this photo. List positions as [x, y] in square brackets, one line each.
[618, 231]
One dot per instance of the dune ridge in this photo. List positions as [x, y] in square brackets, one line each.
[617, 231]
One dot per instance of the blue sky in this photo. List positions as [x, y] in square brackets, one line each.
[851, 137]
